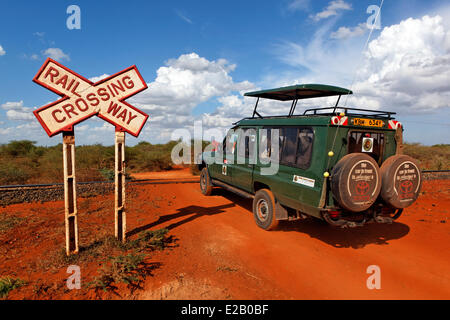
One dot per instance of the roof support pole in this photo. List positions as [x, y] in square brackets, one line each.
[294, 104]
[256, 106]
[337, 103]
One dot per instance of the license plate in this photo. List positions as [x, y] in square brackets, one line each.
[368, 122]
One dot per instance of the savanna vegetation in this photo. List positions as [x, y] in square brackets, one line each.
[24, 162]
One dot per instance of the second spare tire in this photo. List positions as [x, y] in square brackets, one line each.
[356, 182]
[402, 181]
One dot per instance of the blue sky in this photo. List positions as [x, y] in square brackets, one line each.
[198, 57]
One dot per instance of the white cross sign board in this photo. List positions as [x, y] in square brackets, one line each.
[81, 99]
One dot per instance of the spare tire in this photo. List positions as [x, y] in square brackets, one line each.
[401, 181]
[356, 182]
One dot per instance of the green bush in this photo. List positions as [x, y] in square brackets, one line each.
[13, 174]
[7, 284]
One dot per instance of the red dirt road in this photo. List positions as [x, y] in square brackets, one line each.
[222, 254]
[308, 259]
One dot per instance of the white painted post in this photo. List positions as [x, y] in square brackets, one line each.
[70, 193]
[120, 213]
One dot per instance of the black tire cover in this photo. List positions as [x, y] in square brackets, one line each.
[356, 182]
[401, 181]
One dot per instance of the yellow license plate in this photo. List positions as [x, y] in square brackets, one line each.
[368, 122]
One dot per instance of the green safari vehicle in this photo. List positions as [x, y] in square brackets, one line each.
[342, 165]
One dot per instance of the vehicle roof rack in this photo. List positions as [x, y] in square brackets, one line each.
[317, 112]
[297, 92]
[360, 112]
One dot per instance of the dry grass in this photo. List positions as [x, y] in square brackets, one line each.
[435, 157]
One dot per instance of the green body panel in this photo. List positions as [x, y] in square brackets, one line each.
[306, 198]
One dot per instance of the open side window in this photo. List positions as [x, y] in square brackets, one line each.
[295, 146]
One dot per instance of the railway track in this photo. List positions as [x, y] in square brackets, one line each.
[129, 182]
[133, 182]
[12, 194]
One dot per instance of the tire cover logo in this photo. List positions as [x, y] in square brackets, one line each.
[407, 181]
[362, 188]
[362, 182]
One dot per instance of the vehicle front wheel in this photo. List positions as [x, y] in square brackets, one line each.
[264, 209]
[205, 182]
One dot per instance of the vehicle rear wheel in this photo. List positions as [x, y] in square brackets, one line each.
[205, 182]
[264, 209]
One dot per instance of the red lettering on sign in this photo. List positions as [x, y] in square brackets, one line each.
[131, 117]
[114, 108]
[117, 86]
[63, 81]
[77, 103]
[75, 88]
[112, 93]
[52, 72]
[130, 83]
[68, 108]
[93, 99]
[56, 119]
[123, 115]
[103, 93]
[70, 84]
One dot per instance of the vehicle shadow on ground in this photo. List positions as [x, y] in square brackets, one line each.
[356, 238]
[193, 212]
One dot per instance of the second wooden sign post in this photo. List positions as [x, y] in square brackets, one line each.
[119, 180]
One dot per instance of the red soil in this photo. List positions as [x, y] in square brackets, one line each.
[222, 254]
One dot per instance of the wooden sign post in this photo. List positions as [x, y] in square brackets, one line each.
[70, 192]
[82, 99]
[119, 180]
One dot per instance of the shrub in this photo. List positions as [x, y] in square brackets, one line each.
[13, 174]
[7, 284]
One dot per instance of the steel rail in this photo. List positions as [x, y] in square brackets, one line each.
[138, 182]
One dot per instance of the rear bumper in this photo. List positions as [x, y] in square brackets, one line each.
[371, 216]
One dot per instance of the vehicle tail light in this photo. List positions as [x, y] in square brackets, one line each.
[334, 214]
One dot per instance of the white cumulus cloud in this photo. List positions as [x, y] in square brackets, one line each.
[349, 32]
[2, 51]
[408, 66]
[17, 111]
[98, 78]
[56, 54]
[332, 9]
[187, 81]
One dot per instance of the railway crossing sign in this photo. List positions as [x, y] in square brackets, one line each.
[82, 99]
